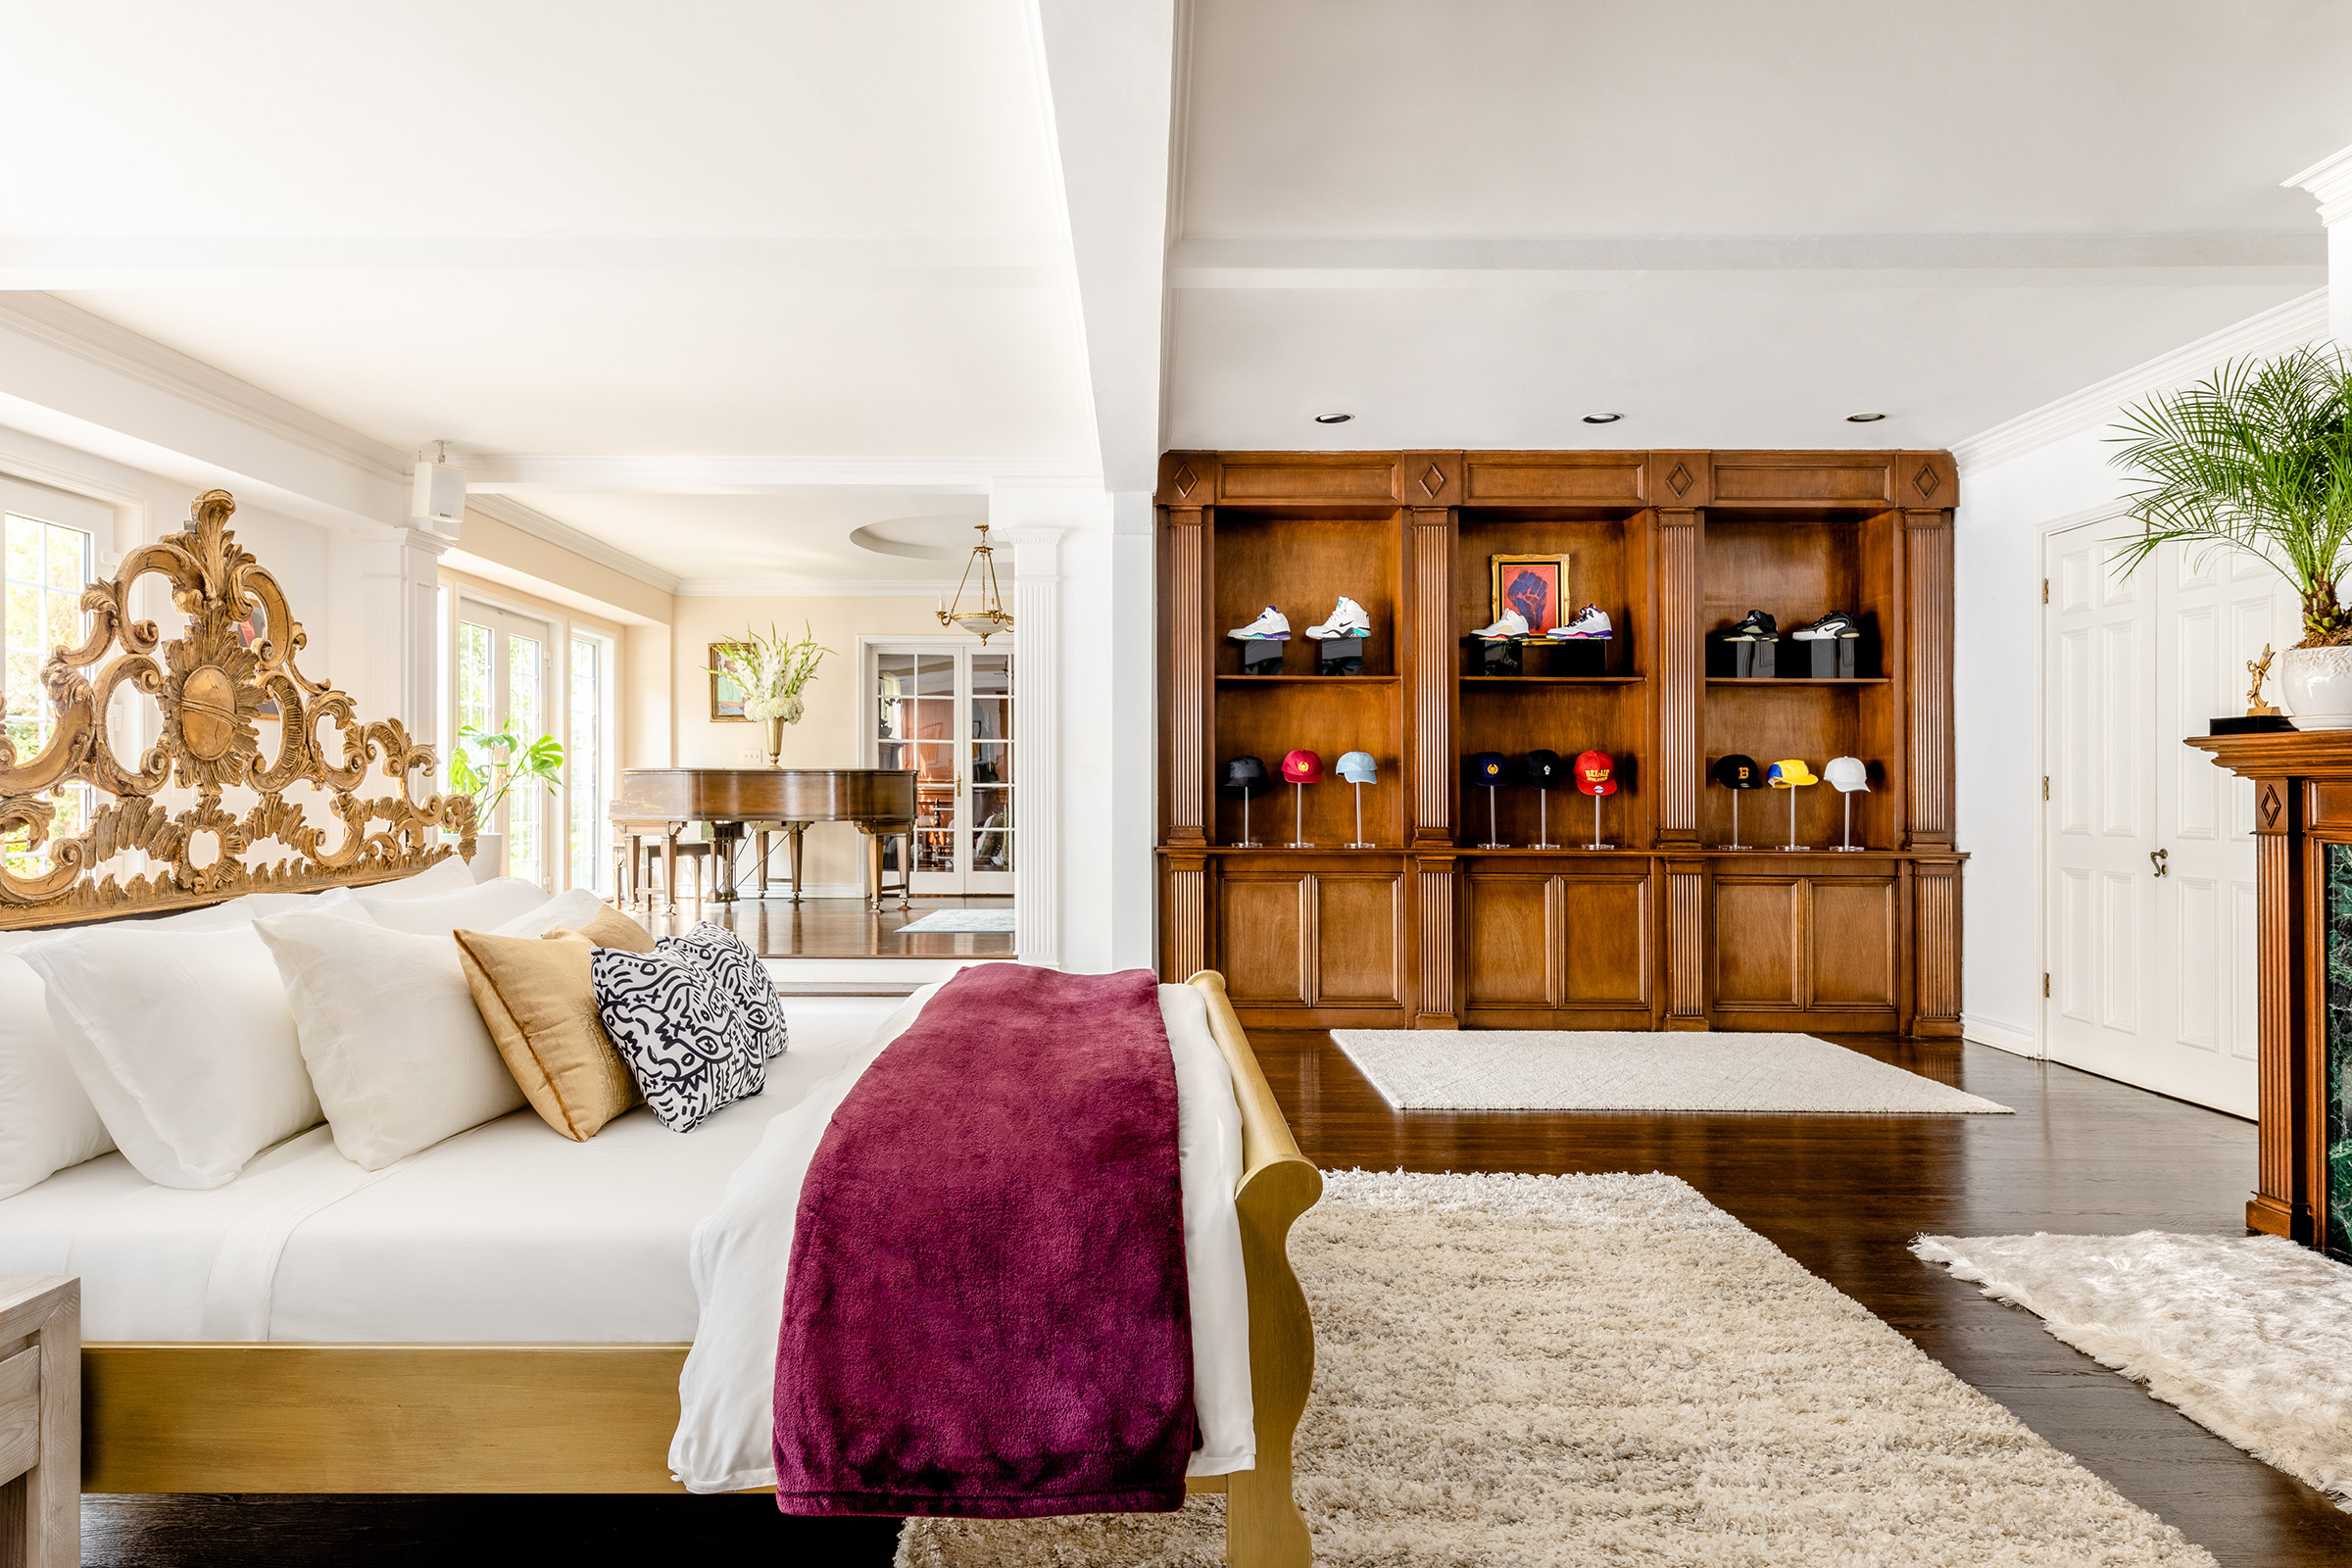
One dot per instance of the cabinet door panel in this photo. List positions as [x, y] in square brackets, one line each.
[1355, 940]
[1257, 939]
[1759, 932]
[1508, 940]
[1853, 943]
[1607, 949]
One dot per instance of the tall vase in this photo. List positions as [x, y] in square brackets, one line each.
[775, 742]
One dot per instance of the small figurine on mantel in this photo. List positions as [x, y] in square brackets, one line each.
[2260, 718]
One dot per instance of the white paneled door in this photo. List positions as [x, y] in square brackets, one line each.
[2149, 850]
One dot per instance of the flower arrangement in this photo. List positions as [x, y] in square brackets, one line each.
[771, 671]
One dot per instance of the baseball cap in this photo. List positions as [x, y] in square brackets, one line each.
[1358, 767]
[1595, 773]
[1738, 771]
[1848, 773]
[1304, 767]
[1489, 769]
[1245, 776]
[1543, 769]
[1790, 773]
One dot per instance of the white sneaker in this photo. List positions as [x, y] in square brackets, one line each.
[1270, 626]
[1348, 619]
[1591, 622]
[1511, 623]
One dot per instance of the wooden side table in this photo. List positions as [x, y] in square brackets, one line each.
[40, 1421]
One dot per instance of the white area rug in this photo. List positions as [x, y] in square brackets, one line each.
[963, 920]
[1609, 1371]
[2250, 1336]
[1601, 1069]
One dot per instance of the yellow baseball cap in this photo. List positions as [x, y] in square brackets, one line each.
[1789, 774]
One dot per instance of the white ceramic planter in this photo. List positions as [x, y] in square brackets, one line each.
[489, 856]
[2316, 683]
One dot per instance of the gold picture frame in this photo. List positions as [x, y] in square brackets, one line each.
[726, 693]
[1511, 590]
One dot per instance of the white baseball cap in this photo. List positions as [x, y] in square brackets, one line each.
[1848, 773]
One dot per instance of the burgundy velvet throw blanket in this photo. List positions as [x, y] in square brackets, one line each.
[986, 1312]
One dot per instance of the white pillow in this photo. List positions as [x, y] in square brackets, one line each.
[452, 875]
[183, 1041]
[478, 908]
[390, 1031]
[46, 1119]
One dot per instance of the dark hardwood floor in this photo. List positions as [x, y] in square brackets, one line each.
[1842, 1194]
[841, 928]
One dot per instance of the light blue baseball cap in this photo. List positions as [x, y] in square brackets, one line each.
[1358, 767]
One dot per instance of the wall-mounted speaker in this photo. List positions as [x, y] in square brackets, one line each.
[438, 501]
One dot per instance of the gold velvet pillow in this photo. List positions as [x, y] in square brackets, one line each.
[537, 998]
[611, 929]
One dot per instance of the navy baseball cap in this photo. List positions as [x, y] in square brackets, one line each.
[1489, 769]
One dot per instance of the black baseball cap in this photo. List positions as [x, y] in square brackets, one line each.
[1737, 772]
[1245, 776]
[1489, 769]
[1543, 769]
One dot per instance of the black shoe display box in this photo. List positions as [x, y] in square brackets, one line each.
[1262, 658]
[1738, 658]
[1822, 658]
[1579, 656]
[1491, 656]
[1339, 656]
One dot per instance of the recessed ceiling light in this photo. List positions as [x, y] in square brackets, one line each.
[1602, 418]
[1333, 418]
[1864, 419]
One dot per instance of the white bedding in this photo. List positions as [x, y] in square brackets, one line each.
[508, 1234]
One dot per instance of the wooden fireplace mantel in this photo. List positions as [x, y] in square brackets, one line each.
[2302, 804]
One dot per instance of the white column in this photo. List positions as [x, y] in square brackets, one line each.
[1037, 824]
[382, 595]
[2330, 182]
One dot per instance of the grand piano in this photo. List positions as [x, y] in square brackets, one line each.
[663, 802]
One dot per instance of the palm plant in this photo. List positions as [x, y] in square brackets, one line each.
[506, 761]
[2259, 455]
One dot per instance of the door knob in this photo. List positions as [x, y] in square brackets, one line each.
[2157, 859]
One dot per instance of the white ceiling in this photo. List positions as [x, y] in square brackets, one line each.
[720, 284]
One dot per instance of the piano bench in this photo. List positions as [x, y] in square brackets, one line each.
[694, 854]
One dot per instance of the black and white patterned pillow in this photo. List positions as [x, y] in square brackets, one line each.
[753, 990]
[678, 1029]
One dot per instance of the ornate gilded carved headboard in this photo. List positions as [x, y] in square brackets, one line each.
[211, 691]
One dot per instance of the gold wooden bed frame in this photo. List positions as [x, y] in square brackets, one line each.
[274, 1417]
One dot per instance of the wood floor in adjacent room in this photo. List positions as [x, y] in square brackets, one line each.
[841, 928]
[1842, 1194]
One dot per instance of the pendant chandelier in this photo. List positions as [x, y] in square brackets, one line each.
[987, 615]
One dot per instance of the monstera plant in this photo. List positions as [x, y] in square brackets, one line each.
[2259, 456]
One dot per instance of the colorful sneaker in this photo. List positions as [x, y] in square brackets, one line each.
[1348, 619]
[1591, 623]
[1758, 628]
[1837, 624]
[1511, 623]
[1270, 626]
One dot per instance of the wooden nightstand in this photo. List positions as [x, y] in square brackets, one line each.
[40, 1421]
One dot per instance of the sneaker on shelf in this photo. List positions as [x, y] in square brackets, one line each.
[1591, 623]
[1758, 628]
[1270, 626]
[1837, 624]
[1511, 623]
[1348, 619]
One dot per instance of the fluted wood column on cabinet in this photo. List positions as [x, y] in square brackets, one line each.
[1191, 687]
[1928, 675]
[2278, 1207]
[1686, 950]
[1936, 948]
[1677, 766]
[1187, 914]
[1435, 900]
[1431, 728]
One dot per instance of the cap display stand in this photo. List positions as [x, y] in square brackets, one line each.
[1543, 821]
[1299, 838]
[1736, 844]
[1493, 836]
[1792, 844]
[1246, 841]
[1847, 844]
[1359, 842]
[1596, 844]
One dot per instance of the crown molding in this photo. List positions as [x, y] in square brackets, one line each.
[2330, 182]
[2281, 328]
[813, 588]
[563, 536]
[100, 342]
[760, 474]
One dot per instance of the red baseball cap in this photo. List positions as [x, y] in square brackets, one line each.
[1596, 774]
[1302, 767]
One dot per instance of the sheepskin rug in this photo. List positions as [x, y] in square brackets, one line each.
[2250, 1336]
[1602, 1370]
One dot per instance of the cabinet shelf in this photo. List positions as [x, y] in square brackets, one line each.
[1551, 681]
[1797, 681]
[1306, 680]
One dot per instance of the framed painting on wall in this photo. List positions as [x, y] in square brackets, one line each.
[1536, 586]
[726, 691]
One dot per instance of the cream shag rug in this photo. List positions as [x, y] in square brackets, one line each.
[2250, 1336]
[1608, 1069]
[1609, 1371]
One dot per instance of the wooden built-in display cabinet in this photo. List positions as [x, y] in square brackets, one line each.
[1668, 930]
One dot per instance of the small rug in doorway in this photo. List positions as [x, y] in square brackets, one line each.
[1609, 1069]
[962, 920]
[2250, 1336]
[1606, 1371]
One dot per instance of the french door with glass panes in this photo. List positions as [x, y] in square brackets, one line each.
[501, 662]
[945, 710]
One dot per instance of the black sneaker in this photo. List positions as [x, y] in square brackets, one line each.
[1758, 628]
[1837, 624]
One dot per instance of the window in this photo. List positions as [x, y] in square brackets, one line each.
[499, 664]
[588, 759]
[43, 567]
